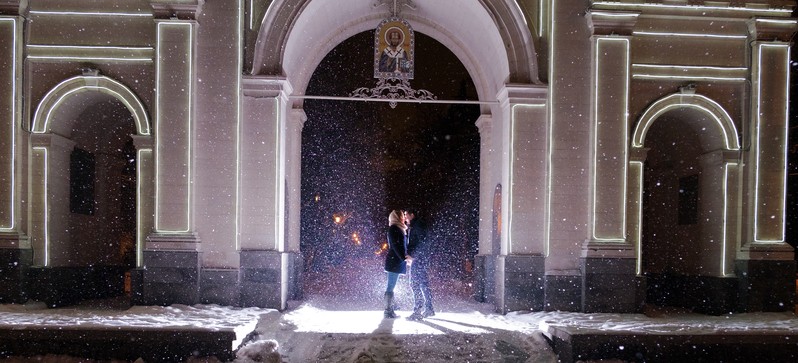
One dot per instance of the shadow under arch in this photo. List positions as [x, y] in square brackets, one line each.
[683, 180]
[90, 132]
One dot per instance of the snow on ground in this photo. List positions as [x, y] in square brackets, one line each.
[340, 320]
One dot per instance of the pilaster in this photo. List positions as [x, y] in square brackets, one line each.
[296, 121]
[10, 116]
[174, 125]
[263, 163]
[608, 260]
[171, 257]
[524, 182]
[768, 129]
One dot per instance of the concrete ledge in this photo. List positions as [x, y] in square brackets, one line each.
[125, 343]
[574, 344]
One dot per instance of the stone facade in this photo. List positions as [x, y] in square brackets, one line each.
[629, 149]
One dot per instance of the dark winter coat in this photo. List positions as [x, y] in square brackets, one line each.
[417, 239]
[397, 251]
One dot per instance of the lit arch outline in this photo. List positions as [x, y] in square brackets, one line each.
[79, 84]
[688, 100]
[731, 141]
[41, 125]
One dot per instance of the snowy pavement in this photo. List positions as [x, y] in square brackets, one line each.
[316, 331]
[340, 320]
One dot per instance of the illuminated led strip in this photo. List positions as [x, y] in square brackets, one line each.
[697, 78]
[511, 187]
[689, 7]
[550, 169]
[676, 101]
[190, 92]
[690, 35]
[669, 66]
[240, 61]
[86, 47]
[88, 58]
[541, 25]
[521, 12]
[725, 217]
[80, 84]
[88, 13]
[639, 242]
[689, 72]
[625, 137]
[13, 122]
[778, 21]
[613, 15]
[277, 183]
[252, 12]
[785, 137]
[140, 235]
[42, 52]
[45, 212]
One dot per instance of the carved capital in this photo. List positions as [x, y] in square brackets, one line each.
[609, 22]
[180, 9]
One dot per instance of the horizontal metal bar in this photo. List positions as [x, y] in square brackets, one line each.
[336, 98]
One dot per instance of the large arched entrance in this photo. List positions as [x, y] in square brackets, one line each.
[502, 62]
[84, 186]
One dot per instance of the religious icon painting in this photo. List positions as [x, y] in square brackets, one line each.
[394, 53]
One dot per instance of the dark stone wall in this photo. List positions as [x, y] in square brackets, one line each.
[609, 285]
[702, 294]
[766, 285]
[170, 277]
[62, 286]
[14, 264]
[524, 285]
[485, 278]
[261, 283]
[220, 286]
[563, 292]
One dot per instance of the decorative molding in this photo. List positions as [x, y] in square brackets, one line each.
[393, 89]
[602, 22]
[772, 29]
[13, 7]
[180, 9]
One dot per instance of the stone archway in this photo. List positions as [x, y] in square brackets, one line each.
[304, 33]
[90, 169]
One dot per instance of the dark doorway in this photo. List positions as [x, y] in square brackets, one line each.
[683, 224]
[362, 159]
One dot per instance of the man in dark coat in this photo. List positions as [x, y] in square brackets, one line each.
[418, 249]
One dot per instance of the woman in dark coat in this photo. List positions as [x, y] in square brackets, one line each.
[396, 260]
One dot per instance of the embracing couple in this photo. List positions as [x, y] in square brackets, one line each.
[408, 249]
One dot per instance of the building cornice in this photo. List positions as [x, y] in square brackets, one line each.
[180, 9]
[13, 7]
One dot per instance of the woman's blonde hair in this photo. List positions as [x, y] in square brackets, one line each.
[395, 219]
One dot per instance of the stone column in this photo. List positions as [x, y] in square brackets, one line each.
[171, 257]
[296, 121]
[607, 263]
[765, 262]
[484, 262]
[520, 263]
[266, 264]
[15, 252]
[49, 196]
